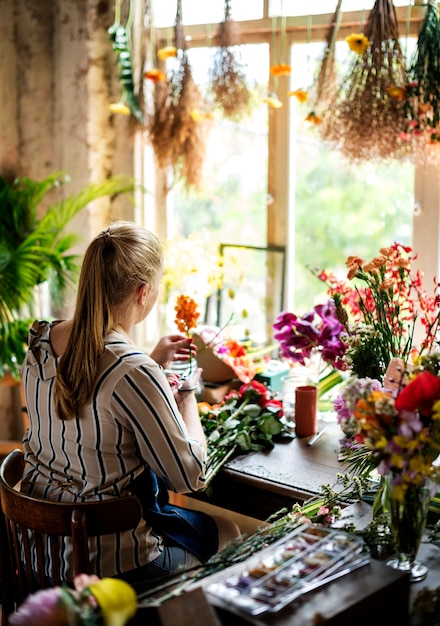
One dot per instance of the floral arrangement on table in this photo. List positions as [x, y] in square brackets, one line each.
[389, 409]
[381, 311]
[401, 433]
[92, 601]
[245, 420]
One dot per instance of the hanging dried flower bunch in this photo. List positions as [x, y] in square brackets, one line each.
[365, 122]
[228, 81]
[324, 89]
[422, 92]
[179, 125]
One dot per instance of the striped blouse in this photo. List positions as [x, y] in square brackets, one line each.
[131, 421]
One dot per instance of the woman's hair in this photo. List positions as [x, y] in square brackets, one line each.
[117, 262]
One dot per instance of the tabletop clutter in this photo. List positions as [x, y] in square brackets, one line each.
[295, 386]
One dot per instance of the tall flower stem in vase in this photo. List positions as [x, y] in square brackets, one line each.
[408, 510]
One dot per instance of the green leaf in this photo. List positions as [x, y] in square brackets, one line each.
[272, 426]
[243, 440]
[252, 410]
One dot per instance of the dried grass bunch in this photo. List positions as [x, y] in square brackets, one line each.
[228, 80]
[365, 121]
[178, 128]
[325, 87]
[422, 93]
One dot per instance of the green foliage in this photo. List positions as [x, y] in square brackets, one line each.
[246, 420]
[35, 249]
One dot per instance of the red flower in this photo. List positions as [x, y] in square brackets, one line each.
[275, 406]
[420, 394]
[254, 385]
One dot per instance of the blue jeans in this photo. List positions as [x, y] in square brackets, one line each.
[172, 560]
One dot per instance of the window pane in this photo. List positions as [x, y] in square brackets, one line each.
[341, 208]
[231, 208]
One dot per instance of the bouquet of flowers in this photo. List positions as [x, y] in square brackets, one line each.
[398, 433]
[92, 601]
[380, 312]
[247, 419]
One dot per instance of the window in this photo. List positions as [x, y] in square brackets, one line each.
[273, 182]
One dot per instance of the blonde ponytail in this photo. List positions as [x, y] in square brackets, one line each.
[117, 261]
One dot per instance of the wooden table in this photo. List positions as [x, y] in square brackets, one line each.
[259, 484]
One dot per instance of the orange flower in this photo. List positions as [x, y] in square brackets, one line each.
[397, 92]
[299, 94]
[280, 70]
[186, 314]
[155, 75]
[313, 118]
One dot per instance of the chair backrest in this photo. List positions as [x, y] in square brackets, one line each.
[27, 521]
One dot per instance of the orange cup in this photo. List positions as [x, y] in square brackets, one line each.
[306, 410]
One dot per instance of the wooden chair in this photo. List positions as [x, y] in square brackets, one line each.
[47, 521]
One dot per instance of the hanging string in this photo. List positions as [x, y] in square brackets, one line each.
[407, 27]
[274, 53]
[129, 23]
[283, 51]
[327, 65]
[308, 42]
[361, 21]
[118, 11]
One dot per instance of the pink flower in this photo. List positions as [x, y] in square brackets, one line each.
[42, 608]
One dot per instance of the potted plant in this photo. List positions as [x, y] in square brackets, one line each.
[35, 248]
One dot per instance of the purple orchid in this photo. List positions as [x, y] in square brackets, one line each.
[318, 328]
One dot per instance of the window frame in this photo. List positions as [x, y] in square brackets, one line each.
[302, 29]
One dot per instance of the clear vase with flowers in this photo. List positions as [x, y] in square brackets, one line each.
[399, 434]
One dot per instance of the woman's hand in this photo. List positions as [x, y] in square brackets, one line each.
[173, 348]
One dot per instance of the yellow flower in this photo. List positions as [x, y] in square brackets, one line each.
[198, 115]
[280, 70]
[358, 42]
[117, 600]
[167, 52]
[119, 107]
[272, 101]
[299, 94]
[155, 75]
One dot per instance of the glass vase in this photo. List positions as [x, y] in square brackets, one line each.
[407, 521]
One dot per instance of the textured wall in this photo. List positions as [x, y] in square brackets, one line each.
[57, 76]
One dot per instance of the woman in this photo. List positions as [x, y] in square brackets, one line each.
[105, 421]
